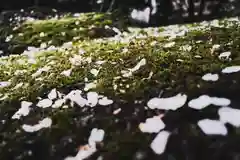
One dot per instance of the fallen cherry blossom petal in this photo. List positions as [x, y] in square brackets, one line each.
[210, 77]
[45, 123]
[44, 103]
[159, 143]
[231, 69]
[170, 103]
[152, 125]
[53, 94]
[230, 115]
[105, 101]
[212, 127]
[92, 99]
[23, 111]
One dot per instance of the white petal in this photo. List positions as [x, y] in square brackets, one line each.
[231, 69]
[204, 101]
[96, 135]
[42, 34]
[230, 115]
[45, 123]
[117, 111]
[4, 84]
[200, 102]
[137, 67]
[212, 127]
[126, 74]
[26, 104]
[44, 103]
[170, 103]
[40, 70]
[23, 111]
[210, 77]
[220, 101]
[169, 45]
[86, 152]
[66, 73]
[94, 72]
[67, 44]
[37, 73]
[92, 99]
[75, 96]
[81, 51]
[100, 62]
[89, 86]
[152, 125]
[71, 158]
[18, 85]
[30, 128]
[53, 94]
[224, 55]
[80, 101]
[186, 48]
[76, 60]
[216, 46]
[159, 143]
[58, 103]
[141, 15]
[105, 101]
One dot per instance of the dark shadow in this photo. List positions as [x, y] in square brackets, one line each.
[165, 11]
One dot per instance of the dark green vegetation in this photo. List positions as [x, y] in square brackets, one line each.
[172, 70]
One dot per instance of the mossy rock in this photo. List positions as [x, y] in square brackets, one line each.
[168, 68]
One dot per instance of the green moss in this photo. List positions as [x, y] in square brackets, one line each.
[170, 66]
[58, 31]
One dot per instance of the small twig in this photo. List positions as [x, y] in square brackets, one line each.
[102, 5]
[111, 6]
[160, 94]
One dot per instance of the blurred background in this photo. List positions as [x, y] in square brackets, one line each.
[149, 12]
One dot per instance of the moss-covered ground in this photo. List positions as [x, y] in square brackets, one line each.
[173, 64]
